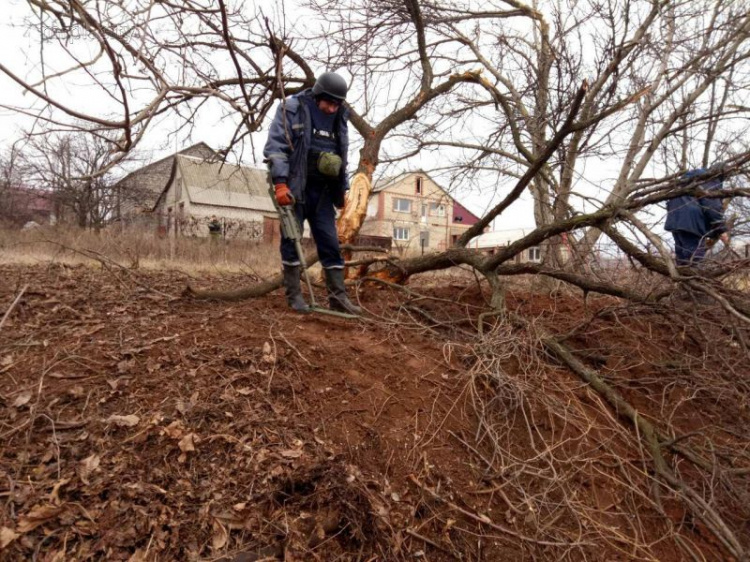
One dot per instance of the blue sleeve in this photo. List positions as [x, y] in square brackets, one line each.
[277, 148]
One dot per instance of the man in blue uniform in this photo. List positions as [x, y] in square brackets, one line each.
[693, 219]
[307, 146]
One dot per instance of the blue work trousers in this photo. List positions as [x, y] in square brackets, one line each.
[318, 211]
[689, 248]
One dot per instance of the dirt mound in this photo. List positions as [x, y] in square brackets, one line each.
[139, 427]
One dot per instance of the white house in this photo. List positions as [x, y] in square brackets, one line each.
[138, 192]
[198, 189]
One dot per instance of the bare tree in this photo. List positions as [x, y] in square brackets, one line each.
[659, 74]
[404, 70]
[68, 168]
[151, 59]
[14, 198]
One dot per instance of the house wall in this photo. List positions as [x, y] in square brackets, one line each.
[420, 221]
[179, 216]
[236, 223]
[497, 240]
[171, 205]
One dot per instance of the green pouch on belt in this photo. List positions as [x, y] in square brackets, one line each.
[329, 164]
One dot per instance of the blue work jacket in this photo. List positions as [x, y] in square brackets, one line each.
[293, 122]
[702, 216]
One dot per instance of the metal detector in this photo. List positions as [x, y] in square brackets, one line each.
[290, 228]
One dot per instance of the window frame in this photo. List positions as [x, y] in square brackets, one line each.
[396, 206]
[437, 209]
[402, 229]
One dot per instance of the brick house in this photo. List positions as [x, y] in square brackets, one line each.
[417, 213]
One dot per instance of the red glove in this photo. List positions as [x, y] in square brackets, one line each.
[283, 194]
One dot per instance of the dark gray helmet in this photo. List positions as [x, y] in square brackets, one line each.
[332, 85]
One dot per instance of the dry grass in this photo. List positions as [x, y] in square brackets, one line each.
[137, 249]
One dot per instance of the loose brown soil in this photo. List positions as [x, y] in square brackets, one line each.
[138, 427]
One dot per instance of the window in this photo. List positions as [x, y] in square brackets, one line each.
[437, 210]
[419, 186]
[400, 233]
[535, 254]
[401, 205]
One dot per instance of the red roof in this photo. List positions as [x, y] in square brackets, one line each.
[462, 215]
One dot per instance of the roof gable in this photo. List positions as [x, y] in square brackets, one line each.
[200, 149]
[385, 183]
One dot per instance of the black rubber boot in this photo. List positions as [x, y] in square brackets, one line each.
[337, 298]
[293, 290]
